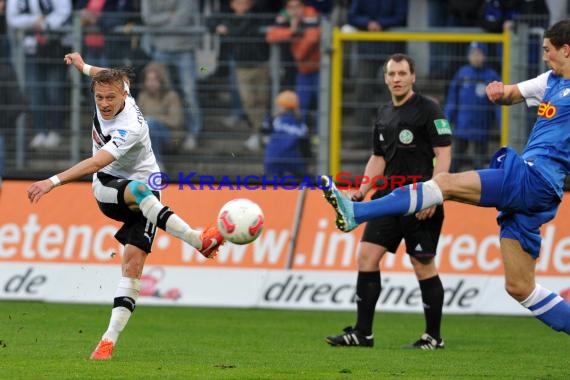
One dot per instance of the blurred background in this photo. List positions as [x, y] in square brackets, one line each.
[207, 74]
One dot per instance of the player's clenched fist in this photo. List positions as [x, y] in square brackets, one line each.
[495, 91]
[74, 59]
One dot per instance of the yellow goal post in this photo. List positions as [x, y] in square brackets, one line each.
[339, 38]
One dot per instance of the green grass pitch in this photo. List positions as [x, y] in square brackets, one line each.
[53, 341]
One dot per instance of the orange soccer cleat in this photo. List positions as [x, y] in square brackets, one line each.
[212, 239]
[103, 351]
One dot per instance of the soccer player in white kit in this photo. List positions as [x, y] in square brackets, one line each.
[121, 164]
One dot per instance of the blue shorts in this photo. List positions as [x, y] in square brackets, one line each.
[524, 198]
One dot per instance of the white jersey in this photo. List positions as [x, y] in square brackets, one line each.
[533, 89]
[127, 138]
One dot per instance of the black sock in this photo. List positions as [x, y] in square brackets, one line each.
[367, 291]
[162, 217]
[432, 297]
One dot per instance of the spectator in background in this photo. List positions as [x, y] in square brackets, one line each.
[268, 7]
[104, 15]
[11, 98]
[373, 16]
[288, 146]
[450, 13]
[299, 25]
[324, 7]
[12, 104]
[470, 112]
[178, 52]
[227, 60]
[498, 15]
[162, 107]
[45, 75]
[241, 31]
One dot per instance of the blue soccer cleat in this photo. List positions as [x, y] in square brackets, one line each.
[342, 205]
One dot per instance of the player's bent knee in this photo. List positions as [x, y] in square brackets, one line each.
[139, 190]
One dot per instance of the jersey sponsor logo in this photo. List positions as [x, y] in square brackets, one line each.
[381, 137]
[442, 126]
[406, 136]
[546, 110]
[119, 140]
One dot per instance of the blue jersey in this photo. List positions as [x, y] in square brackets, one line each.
[548, 147]
[284, 151]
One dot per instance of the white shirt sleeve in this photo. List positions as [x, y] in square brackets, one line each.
[533, 89]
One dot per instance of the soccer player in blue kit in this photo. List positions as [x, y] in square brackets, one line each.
[527, 189]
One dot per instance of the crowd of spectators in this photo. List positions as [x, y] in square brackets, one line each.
[245, 29]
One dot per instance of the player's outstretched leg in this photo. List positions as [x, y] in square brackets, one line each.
[549, 308]
[207, 242]
[342, 205]
[402, 201]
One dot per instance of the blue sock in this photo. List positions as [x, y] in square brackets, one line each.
[558, 317]
[549, 308]
[402, 201]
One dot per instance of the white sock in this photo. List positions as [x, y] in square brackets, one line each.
[119, 318]
[537, 295]
[152, 208]
[432, 194]
[128, 287]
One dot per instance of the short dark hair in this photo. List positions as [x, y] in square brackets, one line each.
[399, 57]
[559, 33]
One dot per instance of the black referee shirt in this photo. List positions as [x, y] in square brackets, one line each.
[406, 135]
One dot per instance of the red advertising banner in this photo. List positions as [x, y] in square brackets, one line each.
[66, 226]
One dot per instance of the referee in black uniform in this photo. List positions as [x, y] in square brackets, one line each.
[410, 131]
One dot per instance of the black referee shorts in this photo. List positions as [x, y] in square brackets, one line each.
[136, 229]
[421, 236]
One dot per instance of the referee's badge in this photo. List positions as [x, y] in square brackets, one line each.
[406, 136]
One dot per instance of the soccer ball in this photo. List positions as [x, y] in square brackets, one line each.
[240, 221]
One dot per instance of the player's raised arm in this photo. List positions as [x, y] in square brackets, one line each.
[76, 60]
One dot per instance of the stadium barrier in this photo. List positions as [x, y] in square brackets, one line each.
[63, 250]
